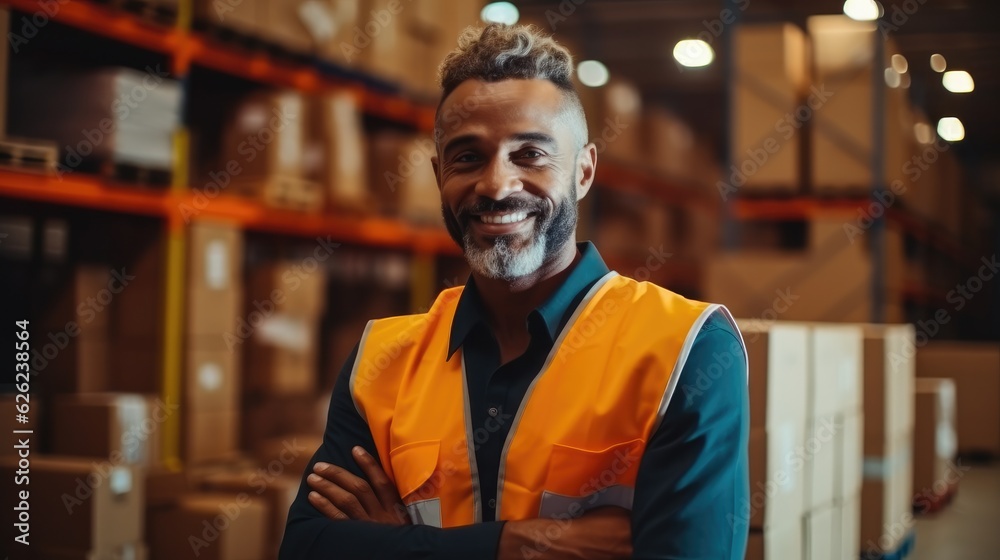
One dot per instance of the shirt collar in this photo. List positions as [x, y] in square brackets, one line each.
[554, 312]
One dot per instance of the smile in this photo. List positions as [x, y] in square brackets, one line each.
[511, 218]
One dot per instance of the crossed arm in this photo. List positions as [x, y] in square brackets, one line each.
[691, 486]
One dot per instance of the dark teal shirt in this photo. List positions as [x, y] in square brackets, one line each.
[692, 480]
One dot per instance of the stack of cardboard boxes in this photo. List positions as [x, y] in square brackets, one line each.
[810, 284]
[975, 369]
[75, 508]
[888, 437]
[772, 76]
[833, 442]
[264, 148]
[935, 443]
[778, 360]
[213, 342]
[397, 40]
[806, 424]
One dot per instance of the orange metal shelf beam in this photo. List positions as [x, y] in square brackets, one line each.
[614, 175]
[83, 191]
[105, 22]
[92, 192]
[251, 66]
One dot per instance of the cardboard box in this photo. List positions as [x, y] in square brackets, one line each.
[73, 352]
[975, 368]
[889, 365]
[266, 416]
[290, 455]
[243, 16]
[124, 428]
[778, 360]
[282, 355]
[771, 82]
[210, 435]
[135, 364]
[164, 486]
[276, 491]
[288, 192]
[776, 477]
[287, 287]
[266, 135]
[886, 497]
[338, 30]
[215, 286]
[849, 454]
[850, 526]
[820, 542]
[172, 529]
[336, 154]
[837, 352]
[777, 543]
[211, 375]
[934, 438]
[614, 118]
[81, 504]
[820, 452]
[842, 139]
[283, 23]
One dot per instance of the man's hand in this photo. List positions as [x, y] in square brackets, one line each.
[600, 534]
[339, 495]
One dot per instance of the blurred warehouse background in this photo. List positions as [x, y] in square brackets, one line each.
[203, 202]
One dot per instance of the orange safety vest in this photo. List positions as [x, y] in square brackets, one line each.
[576, 440]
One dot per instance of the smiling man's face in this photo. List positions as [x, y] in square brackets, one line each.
[508, 167]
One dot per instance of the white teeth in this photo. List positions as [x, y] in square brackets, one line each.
[505, 218]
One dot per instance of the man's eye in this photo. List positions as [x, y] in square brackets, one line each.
[466, 158]
[530, 154]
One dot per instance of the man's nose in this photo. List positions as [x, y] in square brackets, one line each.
[499, 180]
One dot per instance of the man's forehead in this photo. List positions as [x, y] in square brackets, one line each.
[472, 100]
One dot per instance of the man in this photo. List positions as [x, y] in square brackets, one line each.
[550, 408]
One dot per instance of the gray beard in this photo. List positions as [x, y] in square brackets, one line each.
[502, 261]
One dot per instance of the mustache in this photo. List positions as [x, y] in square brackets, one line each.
[486, 205]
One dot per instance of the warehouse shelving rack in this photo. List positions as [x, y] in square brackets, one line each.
[185, 47]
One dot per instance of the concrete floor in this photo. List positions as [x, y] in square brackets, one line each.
[969, 527]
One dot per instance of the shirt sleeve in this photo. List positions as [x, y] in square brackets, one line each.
[311, 536]
[693, 476]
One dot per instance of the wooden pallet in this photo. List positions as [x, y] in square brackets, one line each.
[285, 192]
[136, 174]
[904, 551]
[29, 155]
[159, 12]
[930, 502]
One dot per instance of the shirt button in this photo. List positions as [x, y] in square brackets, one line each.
[492, 503]
[493, 411]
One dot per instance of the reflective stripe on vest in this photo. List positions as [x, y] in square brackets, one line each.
[575, 441]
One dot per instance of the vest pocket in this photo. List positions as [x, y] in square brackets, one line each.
[414, 466]
[579, 480]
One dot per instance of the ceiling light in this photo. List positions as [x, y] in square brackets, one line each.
[892, 78]
[899, 63]
[500, 12]
[693, 53]
[938, 63]
[924, 133]
[862, 10]
[951, 129]
[592, 73]
[958, 81]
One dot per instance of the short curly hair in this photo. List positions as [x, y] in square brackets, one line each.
[499, 52]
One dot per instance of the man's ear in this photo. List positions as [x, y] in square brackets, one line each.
[586, 168]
